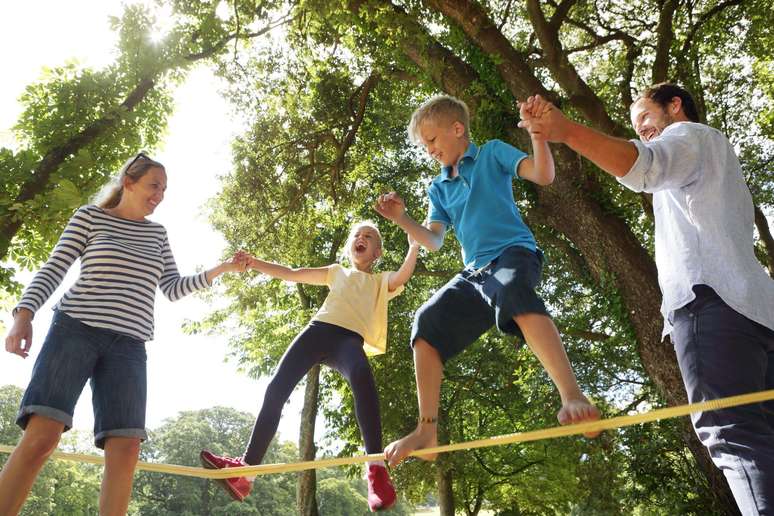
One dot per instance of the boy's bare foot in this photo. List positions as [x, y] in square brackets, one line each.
[578, 410]
[416, 440]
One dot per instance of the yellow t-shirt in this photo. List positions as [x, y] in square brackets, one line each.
[357, 301]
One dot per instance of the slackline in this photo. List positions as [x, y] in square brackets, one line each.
[520, 437]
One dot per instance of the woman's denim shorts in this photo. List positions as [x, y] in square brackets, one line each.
[74, 352]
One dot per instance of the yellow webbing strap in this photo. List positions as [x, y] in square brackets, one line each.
[547, 433]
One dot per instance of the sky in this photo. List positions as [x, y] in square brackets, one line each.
[185, 372]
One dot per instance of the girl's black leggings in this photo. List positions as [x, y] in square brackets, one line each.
[338, 348]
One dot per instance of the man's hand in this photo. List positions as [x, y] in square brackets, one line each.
[543, 120]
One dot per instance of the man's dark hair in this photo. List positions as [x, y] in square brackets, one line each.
[663, 93]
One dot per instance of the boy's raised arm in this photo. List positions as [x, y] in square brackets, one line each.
[391, 207]
[308, 275]
[540, 168]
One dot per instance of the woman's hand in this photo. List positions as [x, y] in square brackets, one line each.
[237, 263]
[19, 339]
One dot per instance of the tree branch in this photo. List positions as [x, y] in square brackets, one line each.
[580, 94]
[54, 158]
[496, 473]
[220, 45]
[363, 91]
[481, 29]
[665, 35]
[561, 12]
[703, 19]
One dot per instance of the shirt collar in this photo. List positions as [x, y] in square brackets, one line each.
[471, 153]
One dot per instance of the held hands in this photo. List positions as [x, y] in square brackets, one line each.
[390, 206]
[253, 263]
[543, 120]
[19, 339]
[237, 263]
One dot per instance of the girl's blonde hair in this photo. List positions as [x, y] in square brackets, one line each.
[134, 168]
[441, 108]
[353, 230]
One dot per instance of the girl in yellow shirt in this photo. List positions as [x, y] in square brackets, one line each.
[351, 323]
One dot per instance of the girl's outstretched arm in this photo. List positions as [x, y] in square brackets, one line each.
[308, 275]
[402, 275]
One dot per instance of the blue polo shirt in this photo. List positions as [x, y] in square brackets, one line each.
[478, 203]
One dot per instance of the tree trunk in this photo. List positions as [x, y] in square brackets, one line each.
[206, 496]
[768, 241]
[306, 487]
[445, 492]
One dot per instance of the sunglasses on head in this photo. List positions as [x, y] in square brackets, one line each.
[139, 155]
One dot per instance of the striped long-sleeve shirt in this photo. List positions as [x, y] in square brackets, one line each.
[122, 262]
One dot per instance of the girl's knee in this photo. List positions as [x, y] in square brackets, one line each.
[277, 392]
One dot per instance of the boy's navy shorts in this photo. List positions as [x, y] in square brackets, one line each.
[473, 300]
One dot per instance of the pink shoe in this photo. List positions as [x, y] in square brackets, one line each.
[238, 487]
[381, 493]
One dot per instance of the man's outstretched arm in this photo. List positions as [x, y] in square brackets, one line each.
[615, 156]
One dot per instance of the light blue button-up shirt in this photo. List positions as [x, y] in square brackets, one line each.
[478, 202]
[704, 221]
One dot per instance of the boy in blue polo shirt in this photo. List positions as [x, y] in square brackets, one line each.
[473, 194]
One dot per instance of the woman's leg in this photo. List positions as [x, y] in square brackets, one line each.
[38, 442]
[64, 364]
[121, 454]
[119, 392]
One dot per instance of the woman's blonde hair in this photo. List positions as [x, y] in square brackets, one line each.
[134, 168]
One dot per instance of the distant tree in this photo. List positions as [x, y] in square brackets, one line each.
[224, 431]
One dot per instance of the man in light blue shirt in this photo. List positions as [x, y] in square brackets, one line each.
[718, 302]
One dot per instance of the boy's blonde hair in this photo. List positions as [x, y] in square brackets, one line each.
[353, 230]
[441, 108]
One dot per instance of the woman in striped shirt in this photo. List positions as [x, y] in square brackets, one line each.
[98, 333]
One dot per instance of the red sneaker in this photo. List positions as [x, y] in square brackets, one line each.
[238, 487]
[381, 493]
